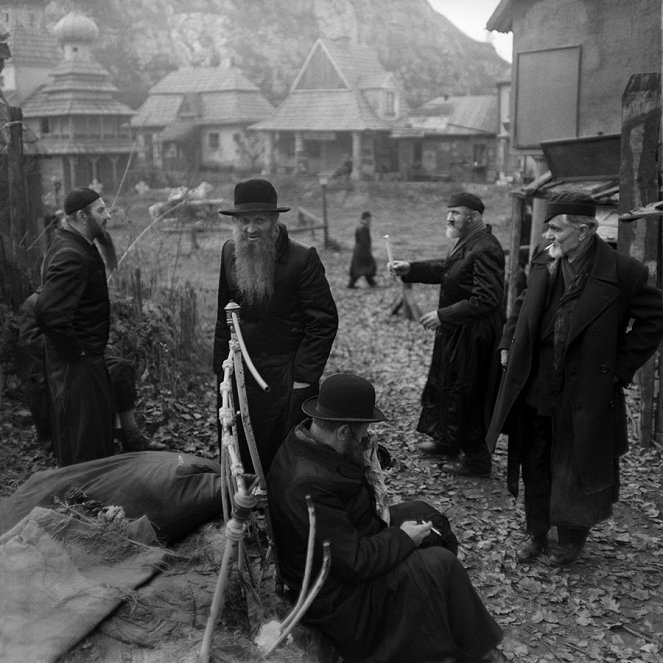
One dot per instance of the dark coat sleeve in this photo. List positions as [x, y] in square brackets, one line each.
[320, 320]
[59, 300]
[355, 558]
[487, 291]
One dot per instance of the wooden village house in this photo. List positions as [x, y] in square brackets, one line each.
[196, 117]
[338, 115]
[450, 138]
[83, 129]
[33, 47]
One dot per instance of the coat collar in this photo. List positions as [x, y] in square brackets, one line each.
[282, 244]
[599, 292]
[302, 443]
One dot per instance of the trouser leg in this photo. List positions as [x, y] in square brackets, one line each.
[535, 434]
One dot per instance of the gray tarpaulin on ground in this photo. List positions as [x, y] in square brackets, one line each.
[176, 491]
[60, 576]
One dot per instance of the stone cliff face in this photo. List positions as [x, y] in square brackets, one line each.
[268, 40]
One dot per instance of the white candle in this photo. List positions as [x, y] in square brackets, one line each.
[390, 256]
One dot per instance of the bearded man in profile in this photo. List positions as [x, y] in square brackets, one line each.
[288, 315]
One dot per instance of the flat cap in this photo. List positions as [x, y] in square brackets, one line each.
[465, 199]
[570, 202]
[79, 198]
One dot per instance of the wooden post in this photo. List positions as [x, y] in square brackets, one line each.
[638, 186]
[514, 251]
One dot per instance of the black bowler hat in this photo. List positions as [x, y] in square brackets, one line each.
[570, 202]
[344, 397]
[465, 199]
[254, 196]
[79, 198]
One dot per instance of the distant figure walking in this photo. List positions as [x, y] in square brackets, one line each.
[363, 262]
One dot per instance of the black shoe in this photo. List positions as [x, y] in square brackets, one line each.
[437, 448]
[136, 441]
[352, 286]
[462, 469]
[566, 554]
[532, 547]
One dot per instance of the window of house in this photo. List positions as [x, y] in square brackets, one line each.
[390, 103]
[5, 17]
[479, 154]
[213, 140]
[44, 126]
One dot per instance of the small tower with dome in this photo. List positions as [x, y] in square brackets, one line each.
[82, 127]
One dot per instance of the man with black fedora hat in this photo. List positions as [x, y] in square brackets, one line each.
[464, 371]
[394, 592]
[73, 313]
[589, 319]
[289, 318]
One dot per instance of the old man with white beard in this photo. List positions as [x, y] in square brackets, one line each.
[464, 371]
[288, 315]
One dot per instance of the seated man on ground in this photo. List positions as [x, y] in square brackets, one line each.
[393, 593]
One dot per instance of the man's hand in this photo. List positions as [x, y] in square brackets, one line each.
[416, 531]
[430, 320]
[504, 358]
[398, 267]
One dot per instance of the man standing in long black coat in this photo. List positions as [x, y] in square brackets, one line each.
[393, 594]
[589, 319]
[464, 372]
[288, 315]
[73, 313]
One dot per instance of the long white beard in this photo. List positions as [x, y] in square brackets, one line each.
[555, 251]
[254, 267]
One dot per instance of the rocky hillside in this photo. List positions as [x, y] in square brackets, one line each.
[268, 40]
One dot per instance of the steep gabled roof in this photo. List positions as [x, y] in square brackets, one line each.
[30, 47]
[323, 110]
[352, 62]
[452, 116]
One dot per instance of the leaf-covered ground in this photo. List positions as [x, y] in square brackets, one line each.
[608, 607]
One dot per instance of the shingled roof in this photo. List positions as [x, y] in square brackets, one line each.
[32, 47]
[323, 110]
[452, 116]
[77, 88]
[220, 96]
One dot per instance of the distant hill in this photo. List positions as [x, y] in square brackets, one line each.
[141, 40]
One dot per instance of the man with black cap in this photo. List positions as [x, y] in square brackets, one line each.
[288, 314]
[394, 592]
[464, 372]
[589, 320]
[73, 313]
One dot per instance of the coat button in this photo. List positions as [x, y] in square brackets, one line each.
[604, 368]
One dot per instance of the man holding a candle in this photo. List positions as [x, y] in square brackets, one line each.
[464, 373]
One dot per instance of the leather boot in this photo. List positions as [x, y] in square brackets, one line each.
[532, 547]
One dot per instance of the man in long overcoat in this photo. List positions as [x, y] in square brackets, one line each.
[464, 371]
[288, 315]
[363, 263]
[589, 319]
[73, 313]
[393, 593]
